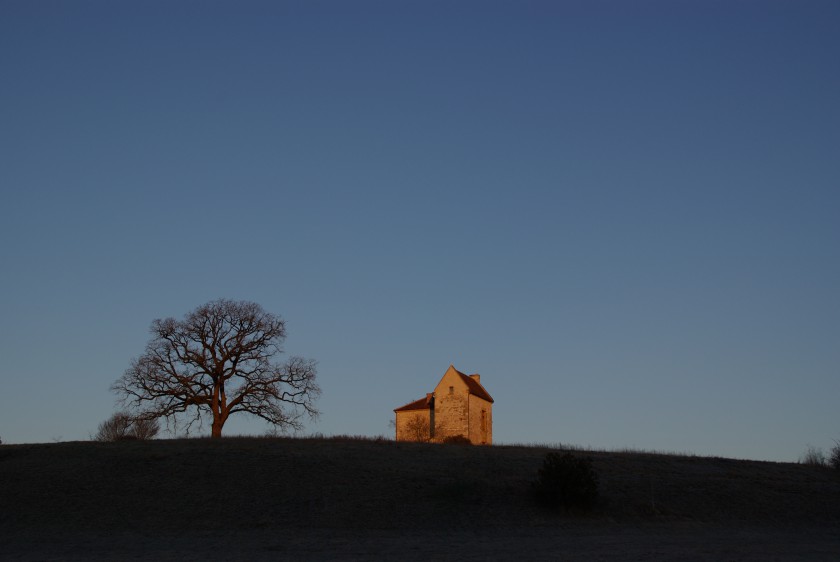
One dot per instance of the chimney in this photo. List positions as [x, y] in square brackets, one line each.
[476, 377]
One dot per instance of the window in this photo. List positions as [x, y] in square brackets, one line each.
[483, 420]
[451, 390]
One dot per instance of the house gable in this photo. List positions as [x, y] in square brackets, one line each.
[452, 382]
[458, 380]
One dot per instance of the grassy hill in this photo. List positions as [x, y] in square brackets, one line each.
[347, 486]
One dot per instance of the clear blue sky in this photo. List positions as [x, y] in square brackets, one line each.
[624, 215]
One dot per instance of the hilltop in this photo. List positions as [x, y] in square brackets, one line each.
[280, 498]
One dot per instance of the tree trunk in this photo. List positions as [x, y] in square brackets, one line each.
[216, 429]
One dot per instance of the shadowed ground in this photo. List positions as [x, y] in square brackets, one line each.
[339, 499]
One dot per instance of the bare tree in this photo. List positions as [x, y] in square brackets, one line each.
[218, 361]
[417, 429]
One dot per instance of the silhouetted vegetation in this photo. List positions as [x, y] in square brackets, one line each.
[813, 456]
[145, 428]
[457, 440]
[566, 481]
[124, 427]
[834, 456]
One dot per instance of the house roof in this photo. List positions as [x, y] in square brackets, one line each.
[474, 386]
[422, 404]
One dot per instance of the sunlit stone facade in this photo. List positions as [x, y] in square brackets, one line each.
[459, 406]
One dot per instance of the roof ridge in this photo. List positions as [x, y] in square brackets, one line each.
[475, 387]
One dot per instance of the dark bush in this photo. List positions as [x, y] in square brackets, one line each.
[566, 481]
[123, 427]
[115, 428]
[145, 428]
[834, 456]
[457, 440]
[813, 456]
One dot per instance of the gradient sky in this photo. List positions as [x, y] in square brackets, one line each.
[624, 215]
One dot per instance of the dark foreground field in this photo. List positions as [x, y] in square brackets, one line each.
[290, 499]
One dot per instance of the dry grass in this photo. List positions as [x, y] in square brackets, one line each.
[351, 484]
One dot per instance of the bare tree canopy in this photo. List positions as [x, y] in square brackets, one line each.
[220, 360]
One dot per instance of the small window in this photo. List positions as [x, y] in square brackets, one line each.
[451, 390]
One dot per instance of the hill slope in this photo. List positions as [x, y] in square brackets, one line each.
[351, 486]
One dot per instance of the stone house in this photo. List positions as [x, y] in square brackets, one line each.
[459, 406]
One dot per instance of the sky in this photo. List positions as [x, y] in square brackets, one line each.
[623, 215]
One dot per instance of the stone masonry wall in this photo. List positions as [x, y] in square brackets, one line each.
[481, 426]
[413, 425]
[451, 407]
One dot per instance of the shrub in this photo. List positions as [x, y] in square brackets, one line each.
[566, 481]
[456, 440]
[114, 428]
[124, 427]
[813, 456]
[834, 456]
[145, 428]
